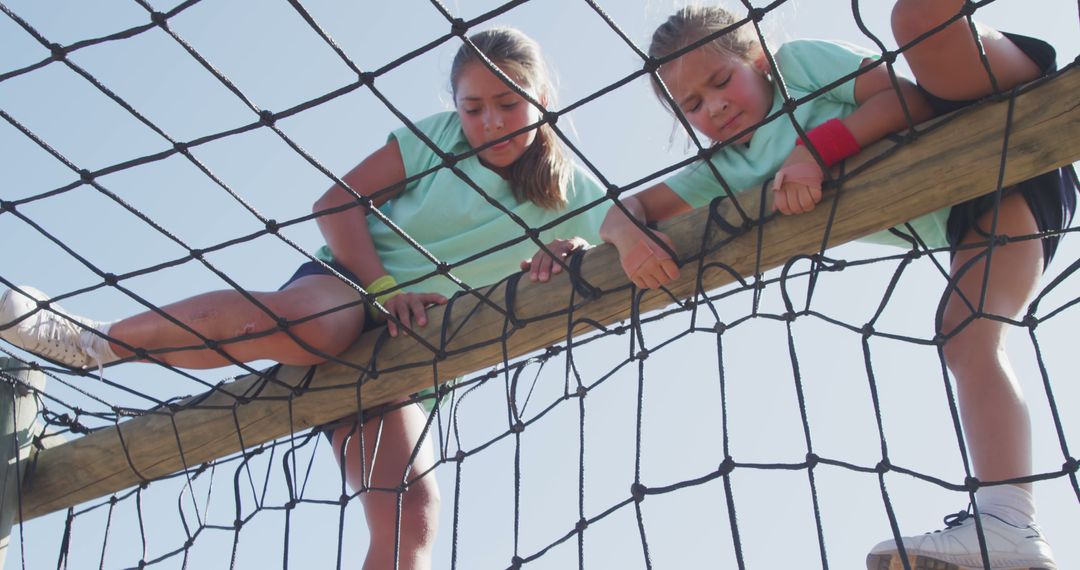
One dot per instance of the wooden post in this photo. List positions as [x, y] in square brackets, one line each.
[18, 412]
[944, 167]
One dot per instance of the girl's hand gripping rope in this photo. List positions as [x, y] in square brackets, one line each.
[542, 266]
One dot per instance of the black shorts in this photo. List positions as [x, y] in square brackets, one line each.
[1050, 196]
[313, 268]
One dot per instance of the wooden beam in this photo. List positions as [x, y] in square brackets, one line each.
[960, 162]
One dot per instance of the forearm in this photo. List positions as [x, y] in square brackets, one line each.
[652, 204]
[880, 112]
[616, 223]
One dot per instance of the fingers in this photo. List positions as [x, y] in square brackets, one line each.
[542, 265]
[399, 309]
[433, 299]
[815, 195]
[655, 273]
[416, 307]
[780, 201]
[806, 198]
[796, 198]
[409, 306]
[648, 265]
[797, 186]
[670, 268]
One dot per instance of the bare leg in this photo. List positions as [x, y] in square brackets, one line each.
[947, 63]
[389, 468]
[222, 315]
[992, 406]
[993, 410]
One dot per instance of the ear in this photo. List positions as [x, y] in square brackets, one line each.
[761, 64]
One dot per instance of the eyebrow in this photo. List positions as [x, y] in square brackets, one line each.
[708, 81]
[497, 96]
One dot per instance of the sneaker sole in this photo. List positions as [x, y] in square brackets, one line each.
[893, 561]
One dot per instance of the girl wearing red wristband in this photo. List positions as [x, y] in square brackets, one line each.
[726, 90]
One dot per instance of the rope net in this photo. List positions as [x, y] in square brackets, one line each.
[155, 151]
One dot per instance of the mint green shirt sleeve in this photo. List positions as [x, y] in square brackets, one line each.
[810, 65]
[442, 129]
[807, 66]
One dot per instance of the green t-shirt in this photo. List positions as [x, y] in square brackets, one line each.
[806, 66]
[452, 221]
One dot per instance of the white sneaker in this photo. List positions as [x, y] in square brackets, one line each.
[50, 333]
[956, 547]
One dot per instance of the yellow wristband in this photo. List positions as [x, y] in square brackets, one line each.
[378, 286]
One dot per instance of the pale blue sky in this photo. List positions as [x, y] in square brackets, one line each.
[274, 58]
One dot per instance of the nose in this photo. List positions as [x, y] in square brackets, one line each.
[717, 106]
[493, 121]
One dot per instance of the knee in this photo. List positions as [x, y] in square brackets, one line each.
[327, 335]
[912, 18]
[419, 520]
[973, 349]
[420, 512]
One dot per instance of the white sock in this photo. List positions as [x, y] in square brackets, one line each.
[99, 346]
[1010, 503]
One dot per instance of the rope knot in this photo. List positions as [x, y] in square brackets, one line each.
[883, 467]
[458, 27]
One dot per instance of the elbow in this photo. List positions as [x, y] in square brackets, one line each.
[325, 202]
[335, 197]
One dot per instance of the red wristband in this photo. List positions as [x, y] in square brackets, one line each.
[833, 141]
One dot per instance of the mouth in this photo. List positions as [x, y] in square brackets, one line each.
[728, 124]
[500, 145]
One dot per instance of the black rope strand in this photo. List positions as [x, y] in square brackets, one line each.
[252, 494]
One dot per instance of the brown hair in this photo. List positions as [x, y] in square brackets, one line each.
[544, 169]
[692, 23]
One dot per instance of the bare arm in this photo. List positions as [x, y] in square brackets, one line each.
[797, 186]
[645, 262]
[349, 238]
[879, 112]
[346, 232]
[656, 203]
[651, 266]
